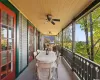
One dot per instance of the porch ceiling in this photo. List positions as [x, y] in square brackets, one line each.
[36, 11]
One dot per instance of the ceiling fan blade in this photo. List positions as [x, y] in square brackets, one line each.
[52, 22]
[56, 20]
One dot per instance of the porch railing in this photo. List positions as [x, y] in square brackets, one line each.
[83, 67]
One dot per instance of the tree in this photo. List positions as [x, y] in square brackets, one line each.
[85, 26]
[67, 35]
[94, 29]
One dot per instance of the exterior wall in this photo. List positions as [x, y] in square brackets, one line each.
[35, 40]
[22, 42]
[12, 8]
[21, 39]
[7, 42]
[30, 42]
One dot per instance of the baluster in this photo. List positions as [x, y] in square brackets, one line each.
[75, 64]
[84, 70]
[87, 70]
[81, 67]
[78, 65]
[91, 71]
[97, 72]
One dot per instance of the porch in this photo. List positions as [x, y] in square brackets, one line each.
[64, 71]
[25, 26]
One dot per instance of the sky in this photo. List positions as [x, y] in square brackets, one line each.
[79, 34]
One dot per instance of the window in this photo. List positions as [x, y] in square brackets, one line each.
[6, 42]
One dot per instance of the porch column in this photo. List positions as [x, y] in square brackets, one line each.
[91, 35]
[62, 37]
[73, 43]
[73, 37]
[35, 40]
[62, 43]
[42, 42]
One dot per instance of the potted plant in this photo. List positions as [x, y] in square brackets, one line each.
[4, 44]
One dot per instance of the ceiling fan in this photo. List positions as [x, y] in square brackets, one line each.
[50, 19]
[50, 32]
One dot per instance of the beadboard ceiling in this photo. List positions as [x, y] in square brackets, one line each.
[36, 11]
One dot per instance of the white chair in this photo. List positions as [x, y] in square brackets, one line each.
[38, 51]
[35, 54]
[43, 71]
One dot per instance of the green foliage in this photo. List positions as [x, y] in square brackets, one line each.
[81, 48]
[67, 35]
[97, 58]
[96, 23]
[84, 22]
[3, 43]
[67, 45]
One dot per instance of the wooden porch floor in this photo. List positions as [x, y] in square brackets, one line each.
[30, 74]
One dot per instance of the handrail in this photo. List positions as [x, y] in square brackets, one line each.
[87, 59]
[83, 57]
[83, 67]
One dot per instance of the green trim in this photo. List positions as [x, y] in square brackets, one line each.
[29, 23]
[17, 46]
[11, 7]
[27, 42]
[22, 71]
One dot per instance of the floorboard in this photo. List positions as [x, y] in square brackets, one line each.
[30, 74]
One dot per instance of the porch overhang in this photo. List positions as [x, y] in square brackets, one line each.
[36, 10]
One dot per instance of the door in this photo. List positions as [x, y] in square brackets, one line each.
[30, 43]
[7, 43]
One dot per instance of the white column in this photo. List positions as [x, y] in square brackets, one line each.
[73, 37]
[35, 39]
[42, 42]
